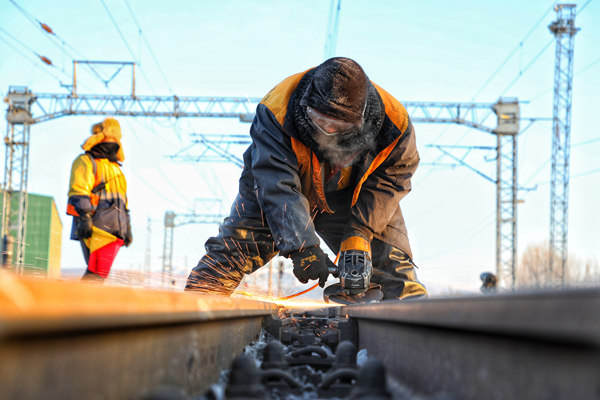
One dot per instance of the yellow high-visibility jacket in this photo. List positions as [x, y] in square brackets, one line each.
[99, 186]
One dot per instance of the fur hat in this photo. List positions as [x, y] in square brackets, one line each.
[338, 89]
[108, 130]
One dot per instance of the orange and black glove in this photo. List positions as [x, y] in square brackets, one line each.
[311, 263]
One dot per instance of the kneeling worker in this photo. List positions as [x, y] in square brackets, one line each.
[332, 155]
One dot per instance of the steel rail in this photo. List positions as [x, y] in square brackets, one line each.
[515, 346]
[61, 340]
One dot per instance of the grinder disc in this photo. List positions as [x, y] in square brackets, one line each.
[337, 294]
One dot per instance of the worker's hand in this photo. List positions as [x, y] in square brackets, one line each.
[311, 263]
[128, 236]
[84, 228]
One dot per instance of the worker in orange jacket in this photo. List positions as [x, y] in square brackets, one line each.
[98, 200]
[332, 155]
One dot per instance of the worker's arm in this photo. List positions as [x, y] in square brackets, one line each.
[384, 188]
[80, 187]
[277, 184]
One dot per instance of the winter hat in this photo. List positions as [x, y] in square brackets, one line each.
[338, 89]
[108, 130]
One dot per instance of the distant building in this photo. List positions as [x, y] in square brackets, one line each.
[43, 237]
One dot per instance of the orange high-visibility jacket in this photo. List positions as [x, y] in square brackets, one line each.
[283, 172]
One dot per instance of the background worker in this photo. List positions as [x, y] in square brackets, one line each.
[98, 200]
[332, 155]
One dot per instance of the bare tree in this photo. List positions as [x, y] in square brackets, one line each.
[535, 272]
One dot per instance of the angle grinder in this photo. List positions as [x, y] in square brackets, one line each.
[354, 270]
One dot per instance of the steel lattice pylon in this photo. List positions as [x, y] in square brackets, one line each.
[168, 246]
[16, 168]
[506, 190]
[564, 30]
[173, 220]
[506, 209]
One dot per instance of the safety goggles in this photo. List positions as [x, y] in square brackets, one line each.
[327, 125]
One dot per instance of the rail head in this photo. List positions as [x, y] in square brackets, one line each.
[33, 306]
[567, 315]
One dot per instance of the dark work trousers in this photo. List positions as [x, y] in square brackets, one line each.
[245, 244]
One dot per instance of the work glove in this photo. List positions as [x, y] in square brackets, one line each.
[84, 228]
[128, 236]
[311, 263]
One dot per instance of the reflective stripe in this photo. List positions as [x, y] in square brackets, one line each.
[394, 109]
[71, 210]
[376, 163]
[94, 199]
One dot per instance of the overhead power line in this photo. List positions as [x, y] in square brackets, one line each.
[127, 45]
[148, 46]
[35, 64]
[512, 53]
[549, 159]
[537, 171]
[527, 67]
[583, 7]
[45, 29]
[26, 14]
[575, 176]
[118, 29]
[458, 245]
[537, 96]
[53, 37]
[586, 142]
[593, 171]
[44, 59]
[158, 168]
[587, 67]
[438, 204]
[593, 63]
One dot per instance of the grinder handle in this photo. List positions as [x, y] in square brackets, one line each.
[335, 270]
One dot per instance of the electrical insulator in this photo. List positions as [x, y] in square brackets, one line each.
[45, 59]
[47, 28]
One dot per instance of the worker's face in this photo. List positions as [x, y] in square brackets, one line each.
[328, 125]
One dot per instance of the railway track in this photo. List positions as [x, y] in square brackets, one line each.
[63, 340]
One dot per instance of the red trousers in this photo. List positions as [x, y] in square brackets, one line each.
[100, 261]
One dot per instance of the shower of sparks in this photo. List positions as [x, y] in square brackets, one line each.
[219, 280]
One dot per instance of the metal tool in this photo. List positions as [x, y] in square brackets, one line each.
[354, 271]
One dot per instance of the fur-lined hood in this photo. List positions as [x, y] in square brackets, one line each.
[108, 130]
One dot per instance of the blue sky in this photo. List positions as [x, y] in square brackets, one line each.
[416, 50]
